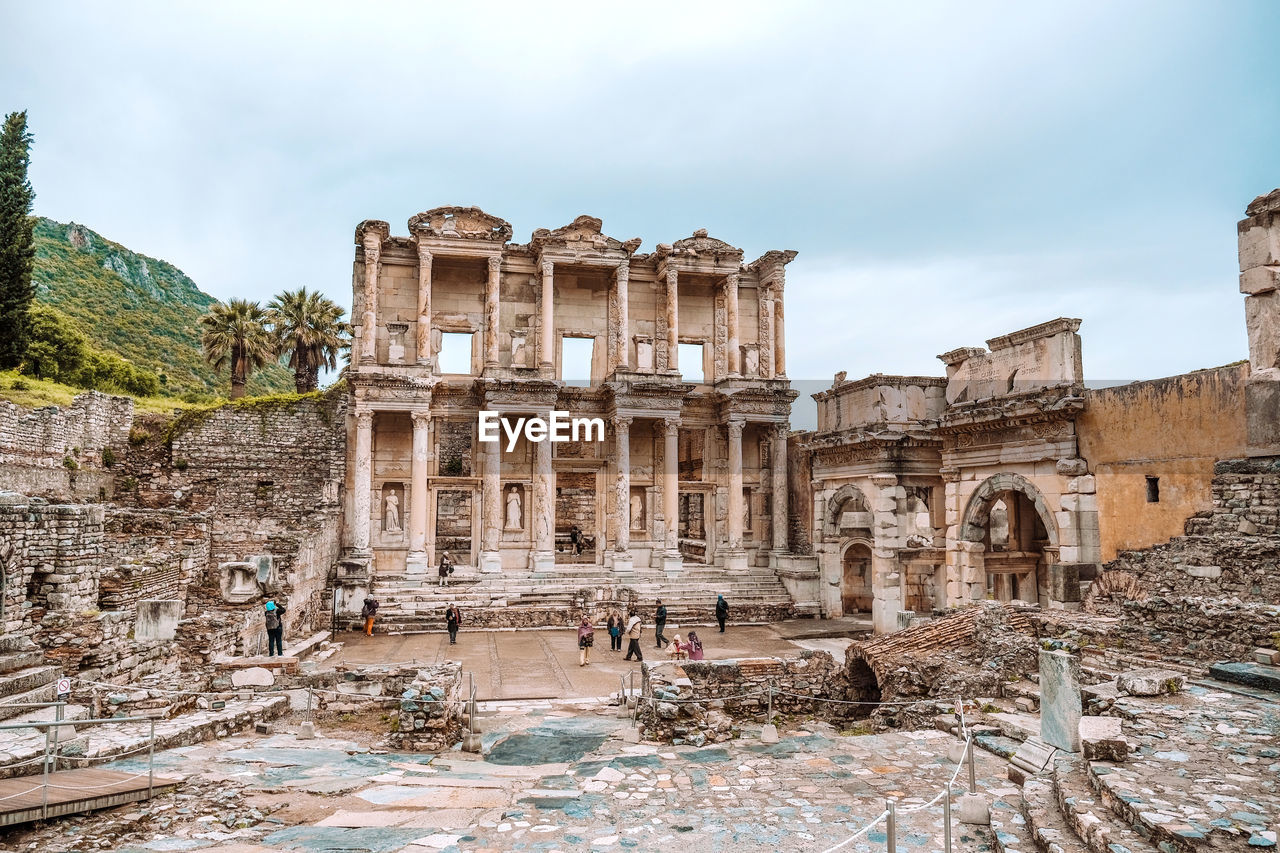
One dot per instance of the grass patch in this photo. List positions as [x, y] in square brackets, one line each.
[32, 393]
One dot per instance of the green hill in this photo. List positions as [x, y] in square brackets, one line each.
[145, 309]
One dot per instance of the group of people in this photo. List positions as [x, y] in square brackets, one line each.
[632, 629]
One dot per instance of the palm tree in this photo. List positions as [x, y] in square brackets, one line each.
[236, 335]
[310, 327]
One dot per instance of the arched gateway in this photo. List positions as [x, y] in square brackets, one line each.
[1009, 516]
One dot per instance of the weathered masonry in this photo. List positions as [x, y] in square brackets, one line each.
[681, 351]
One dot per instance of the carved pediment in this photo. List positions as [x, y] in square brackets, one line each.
[582, 233]
[702, 244]
[465, 223]
[372, 227]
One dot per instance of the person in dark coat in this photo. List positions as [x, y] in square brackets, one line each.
[446, 568]
[368, 612]
[452, 619]
[274, 615]
[722, 611]
[660, 622]
[614, 624]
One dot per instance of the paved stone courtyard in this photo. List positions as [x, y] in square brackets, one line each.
[555, 776]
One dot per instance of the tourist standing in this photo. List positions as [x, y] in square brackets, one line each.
[694, 646]
[614, 625]
[275, 629]
[368, 612]
[634, 630]
[446, 568]
[586, 638]
[575, 539]
[660, 622]
[452, 619]
[722, 611]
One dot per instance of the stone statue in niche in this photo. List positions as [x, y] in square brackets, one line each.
[637, 511]
[750, 361]
[395, 342]
[919, 524]
[644, 354]
[514, 510]
[520, 348]
[391, 512]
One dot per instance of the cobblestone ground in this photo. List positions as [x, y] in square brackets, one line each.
[554, 777]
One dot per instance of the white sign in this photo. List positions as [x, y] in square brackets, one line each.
[64, 686]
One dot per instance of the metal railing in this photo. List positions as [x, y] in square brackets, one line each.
[49, 760]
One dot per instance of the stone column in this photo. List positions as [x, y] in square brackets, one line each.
[780, 432]
[417, 561]
[766, 333]
[779, 335]
[362, 500]
[491, 294]
[622, 277]
[543, 517]
[671, 559]
[622, 561]
[735, 555]
[369, 319]
[491, 508]
[424, 306]
[673, 319]
[547, 346]
[731, 320]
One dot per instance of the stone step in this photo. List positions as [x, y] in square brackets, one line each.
[27, 679]
[13, 705]
[1086, 813]
[1010, 831]
[1049, 831]
[1123, 792]
[22, 659]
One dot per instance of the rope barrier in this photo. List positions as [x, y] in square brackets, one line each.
[884, 814]
[22, 793]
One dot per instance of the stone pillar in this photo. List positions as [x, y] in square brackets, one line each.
[735, 555]
[1060, 706]
[766, 333]
[780, 526]
[424, 306]
[622, 278]
[491, 294]
[622, 561]
[779, 334]
[1259, 254]
[671, 559]
[418, 561]
[673, 319]
[362, 482]
[547, 343]
[731, 320]
[543, 518]
[491, 507]
[369, 319]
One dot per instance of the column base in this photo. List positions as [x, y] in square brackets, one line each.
[621, 562]
[671, 562]
[417, 563]
[776, 558]
[542, 561]
[490, 562]
[735, 561]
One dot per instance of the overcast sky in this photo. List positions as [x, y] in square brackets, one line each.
[948, 172]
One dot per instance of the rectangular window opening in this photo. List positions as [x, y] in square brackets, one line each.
[575, 360]
[689, 357]
[1153, 490]
[455, 352]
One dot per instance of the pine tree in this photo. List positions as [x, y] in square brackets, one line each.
[17, 244]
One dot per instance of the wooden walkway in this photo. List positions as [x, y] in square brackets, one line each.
[23, 798]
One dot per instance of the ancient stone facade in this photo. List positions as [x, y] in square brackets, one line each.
[680, 351]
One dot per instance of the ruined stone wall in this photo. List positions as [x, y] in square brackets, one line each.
[151, 554]
[64, 452]
[698, 702]
[1172, 429]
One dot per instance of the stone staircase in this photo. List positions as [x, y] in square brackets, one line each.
[24, 677]
[409, 603]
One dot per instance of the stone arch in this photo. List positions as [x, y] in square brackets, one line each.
[857, 591]
[978, 511]
[835, 507]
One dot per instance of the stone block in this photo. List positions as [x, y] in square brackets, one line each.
[973, 810]
[254, 676]
[1072, 467]
[1102, 739]
[157, 620]
[1257, 280]
[306, 730]
[1150, 681]
[1086, 485]
[769, 734]
[1258, 246]
[1207, 572]
[1060, 706]
[1267, 656]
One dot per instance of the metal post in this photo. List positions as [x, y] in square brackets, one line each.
[151, 761]
[946, 820]
[471, 717]
[891, 830]
[310, 715]
[973, 786]
[57, 730]
[769, 718]
[44, 794]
